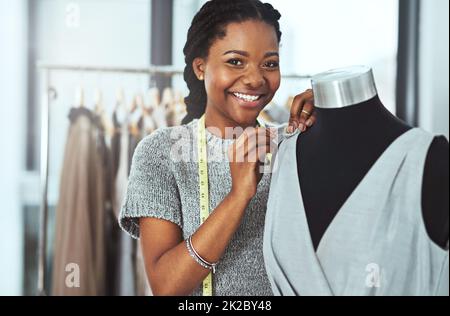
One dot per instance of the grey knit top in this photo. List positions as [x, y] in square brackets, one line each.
[163, 184]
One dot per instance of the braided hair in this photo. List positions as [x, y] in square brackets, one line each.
[208, 25]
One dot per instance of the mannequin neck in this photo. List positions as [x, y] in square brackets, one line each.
[367, 113]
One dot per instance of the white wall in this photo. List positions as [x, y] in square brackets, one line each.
[183, 12]
[434, 66]
[13, 58]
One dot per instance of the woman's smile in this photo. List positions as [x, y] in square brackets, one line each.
[249, 100]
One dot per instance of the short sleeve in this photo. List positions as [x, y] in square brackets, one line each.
[152, 190]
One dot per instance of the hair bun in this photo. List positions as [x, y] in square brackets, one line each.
[274, 13]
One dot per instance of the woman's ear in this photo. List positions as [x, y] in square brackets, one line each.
[199, 68]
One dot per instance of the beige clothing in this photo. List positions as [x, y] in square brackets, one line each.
[79, 239]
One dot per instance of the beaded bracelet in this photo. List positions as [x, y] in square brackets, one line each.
[205, 264]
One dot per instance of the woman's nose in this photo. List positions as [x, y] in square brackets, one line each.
[254, 79]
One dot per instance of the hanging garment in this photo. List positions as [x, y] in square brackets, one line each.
[142, 285]
[79, 257]
[131, 278]
[126, 274]
[110, 226]
[114, 234]
[149, 124]
[180, 112]
[159, 115]
[376, 245]
[112, 248]
[115, 148]
[142, 288]
[120, 182]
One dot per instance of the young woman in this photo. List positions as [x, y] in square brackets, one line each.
[232, 72]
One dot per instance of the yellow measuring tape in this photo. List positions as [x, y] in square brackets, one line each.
[204, 187]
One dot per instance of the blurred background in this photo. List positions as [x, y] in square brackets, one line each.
[99, 55]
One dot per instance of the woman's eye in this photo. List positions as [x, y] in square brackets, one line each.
[272, 64]
[235, 62]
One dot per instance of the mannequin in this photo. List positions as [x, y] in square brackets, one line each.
[366, 213]
[353, 130]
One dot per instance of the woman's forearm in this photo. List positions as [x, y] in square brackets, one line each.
[176, 273]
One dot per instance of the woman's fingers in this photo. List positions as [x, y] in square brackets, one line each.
[306, 113]
[312, 120]
[301, 111]
[256, 141]
[253, 145]
[264, 146]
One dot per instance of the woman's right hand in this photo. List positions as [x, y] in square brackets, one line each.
[247, 156]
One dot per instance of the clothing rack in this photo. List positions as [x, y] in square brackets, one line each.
[50, 95]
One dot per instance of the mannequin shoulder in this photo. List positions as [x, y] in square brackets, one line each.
[437, 162]
[438, 155]
[435, 193]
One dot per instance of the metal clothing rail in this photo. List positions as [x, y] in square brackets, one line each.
[151, 70]
[50, 95]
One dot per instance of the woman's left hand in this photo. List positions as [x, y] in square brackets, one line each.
[302, 112]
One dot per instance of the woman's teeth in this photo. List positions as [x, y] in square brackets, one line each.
[246, 97]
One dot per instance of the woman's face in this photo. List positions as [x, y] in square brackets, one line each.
[241, 72]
